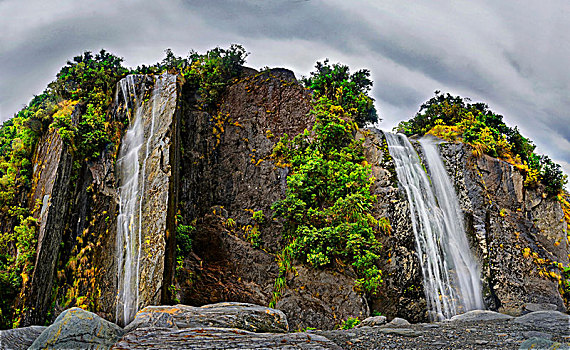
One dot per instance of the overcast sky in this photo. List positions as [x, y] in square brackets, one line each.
[512, 55]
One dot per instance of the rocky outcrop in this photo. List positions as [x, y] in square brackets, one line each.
[246, 326]
[249, 317]
[78, 329]
[517, 232]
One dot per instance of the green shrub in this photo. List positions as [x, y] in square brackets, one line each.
[350, 91]
[350, 323]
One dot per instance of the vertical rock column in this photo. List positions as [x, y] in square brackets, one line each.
[145, 228]
[51, 179]
[157, 177]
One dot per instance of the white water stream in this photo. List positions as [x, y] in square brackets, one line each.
[131, 169]
[450, 273]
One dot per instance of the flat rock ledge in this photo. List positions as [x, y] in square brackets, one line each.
[220, 338]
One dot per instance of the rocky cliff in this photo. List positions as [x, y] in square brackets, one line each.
[518, 233]
[209, 180]
[227, 175]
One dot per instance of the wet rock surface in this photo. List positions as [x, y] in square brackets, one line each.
[402, 292]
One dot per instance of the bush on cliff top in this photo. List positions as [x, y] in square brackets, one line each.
[455, 119]
[350, 91]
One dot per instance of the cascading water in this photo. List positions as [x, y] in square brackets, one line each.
[466, 268]
[450, 274]
[131, 168]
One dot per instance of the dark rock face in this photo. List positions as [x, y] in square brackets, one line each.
[78, 329]
[320, 298]
[249, 317]
[19, 338]
[517, 233]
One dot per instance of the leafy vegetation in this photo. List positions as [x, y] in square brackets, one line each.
[328, 207]
[350, 91]
[455, 119]
[90, 81]
[209, 73]
[183, 241]
[350, 323]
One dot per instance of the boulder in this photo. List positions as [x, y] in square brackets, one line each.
[19, 338]
[244, 316]
[78, 329]
[531, 307]
[398, 322]
[219, 338]
[373, 321]
[552, 320]
[404, 332]
[479, 315]
[320, 299]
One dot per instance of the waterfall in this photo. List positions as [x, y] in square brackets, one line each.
[462, 261]
[131, 170]
[450, 274]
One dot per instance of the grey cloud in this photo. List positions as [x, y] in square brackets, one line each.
[508, 55]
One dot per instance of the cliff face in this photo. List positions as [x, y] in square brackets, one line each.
[210, 176]
[154, 169]
[518, 233]
[227, 174]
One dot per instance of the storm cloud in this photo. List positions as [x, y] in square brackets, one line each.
[510, 54]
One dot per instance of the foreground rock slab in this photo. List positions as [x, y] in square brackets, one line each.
[480, 334]
[78, 329]
[220, 338]
[19, 338]
[243, 316]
